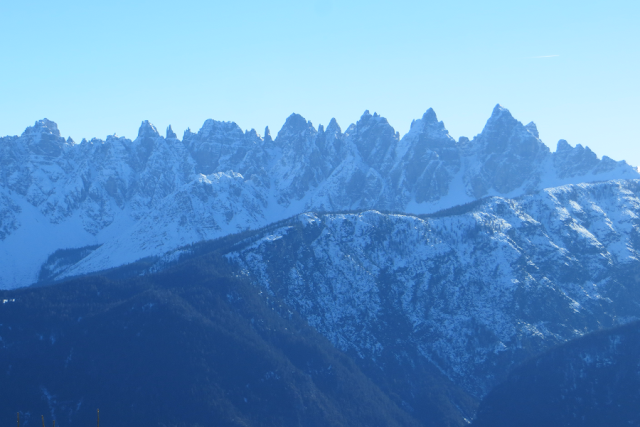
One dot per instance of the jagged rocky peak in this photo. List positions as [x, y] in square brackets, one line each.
[220, 132]
[498, 130]
[43, 126]
[330, 141]
[333, 127]
[147, 130]
[366, 167]
[142, 147]
[43, 138]
[578, 150]
[297, 134]
[217, 145]
[295, 121]
[563, 145]
[252, 134]
[509, 156]
[294, 126]
[188, 134]
[267, 135]
[170, 133]
[367, 120]
[499, 111]
[533, 129]
[430, 124]
[429, 159]
[504, 134]
[430, 116]
[570, 161]
[428, 133]
[500, 116]
[375, 139]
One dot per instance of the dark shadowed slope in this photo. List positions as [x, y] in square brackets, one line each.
[189, 346]
[592, 381]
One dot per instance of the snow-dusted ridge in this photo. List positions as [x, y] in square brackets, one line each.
[132, 199]
[473, 291]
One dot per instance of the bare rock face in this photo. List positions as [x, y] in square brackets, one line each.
[430, 159]
[300, 166]
[506, 156]
[218, 145]
[100, 191]
[579, 161]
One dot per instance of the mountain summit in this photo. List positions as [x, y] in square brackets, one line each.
[130, 199]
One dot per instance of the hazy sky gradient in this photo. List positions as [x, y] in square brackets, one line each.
[98, 68]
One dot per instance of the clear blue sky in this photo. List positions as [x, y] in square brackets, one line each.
[101, 67]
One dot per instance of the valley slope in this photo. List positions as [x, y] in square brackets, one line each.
[433, 309]
[592, 381]
[469, 292]
[474, 290]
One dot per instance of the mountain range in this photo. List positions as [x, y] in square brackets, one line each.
[424, 315]
[116, 201]
[469, 292]
[345, 270]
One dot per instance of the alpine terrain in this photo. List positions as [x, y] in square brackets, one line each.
[121, 200]
[413, 276]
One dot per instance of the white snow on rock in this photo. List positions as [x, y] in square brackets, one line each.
[473, 290]
[147, 196]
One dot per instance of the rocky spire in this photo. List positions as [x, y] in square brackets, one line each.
[333, 127]
[533, 129]
[429, 117]
[295, 128]
[295, 122]
[170, 133]
[563, 145]
[147, 129]
[43, 126]
[498, 131]
[187, 134]
[499, 111]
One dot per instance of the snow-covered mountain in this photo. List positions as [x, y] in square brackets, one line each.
[124, 200]
[474, 290]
